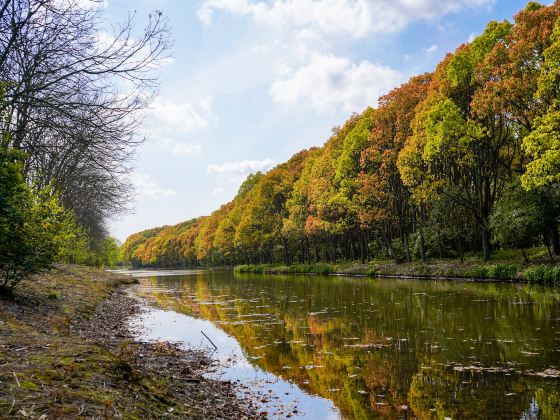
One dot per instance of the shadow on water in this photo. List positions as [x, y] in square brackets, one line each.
[374, 347]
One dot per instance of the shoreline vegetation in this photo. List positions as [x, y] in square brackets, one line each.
[539, 274]
[66, 352]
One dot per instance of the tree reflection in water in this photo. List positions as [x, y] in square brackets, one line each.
[391, 348]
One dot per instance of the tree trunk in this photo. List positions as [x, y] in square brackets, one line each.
[485, 236]
[286, 257]
[406, 247]
[422, 244]
[546, 240]
[460, 248]
[363, 246]
[555, 238]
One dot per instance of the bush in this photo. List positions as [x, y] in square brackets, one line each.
[299, 269]
[502, 271]
[372, 271]
[244, 268]
[493, 271]
[260, 268]
[543, 274]
[319, 268]
[323, 269]
[398, 250]
[34, 227]
[480, 272]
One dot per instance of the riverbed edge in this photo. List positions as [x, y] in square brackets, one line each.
[67, 351]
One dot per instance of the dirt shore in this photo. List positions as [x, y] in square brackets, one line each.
[66, 352]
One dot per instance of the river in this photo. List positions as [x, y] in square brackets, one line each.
[324, 347]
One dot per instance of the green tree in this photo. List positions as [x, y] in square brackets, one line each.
[34, 227]
[542, 145]
[521, 218]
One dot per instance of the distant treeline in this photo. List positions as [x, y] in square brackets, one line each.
[463, 159]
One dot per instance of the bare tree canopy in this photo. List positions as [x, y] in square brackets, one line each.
[75, 95]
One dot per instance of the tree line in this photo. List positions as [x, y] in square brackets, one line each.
[71, 101]
[466, 158]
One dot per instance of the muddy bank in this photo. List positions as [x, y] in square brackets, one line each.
[66, 352]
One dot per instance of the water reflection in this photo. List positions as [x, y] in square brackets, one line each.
[391, 348]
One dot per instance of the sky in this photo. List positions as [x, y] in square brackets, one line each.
[251, 82]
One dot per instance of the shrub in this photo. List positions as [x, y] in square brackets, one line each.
[543, 274]
[372, 271]
[34, 227]
[244, 268]
[300, 269]
[480, 272]
[259, 269]
[323, 269]
[493, 271]
[502, 271]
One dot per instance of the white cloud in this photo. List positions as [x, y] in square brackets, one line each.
[241, 167]
[432, 49]
[472, 37]
[186, 149]
[355, 18]
[176, 117]
[327, 83]
[217, 191]
[84, 4]
[145, 186]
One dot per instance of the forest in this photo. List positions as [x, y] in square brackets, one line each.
[462, 160]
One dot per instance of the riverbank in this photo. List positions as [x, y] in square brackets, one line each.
[537, 273]
[66, 352]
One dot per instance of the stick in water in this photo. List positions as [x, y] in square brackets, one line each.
[216, 348]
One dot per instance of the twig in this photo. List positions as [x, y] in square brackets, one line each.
[17, 380]
[216, 348]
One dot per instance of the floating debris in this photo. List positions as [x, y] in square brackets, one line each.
[473, 368]
[529, 353]
[367, 345]
[547, 373]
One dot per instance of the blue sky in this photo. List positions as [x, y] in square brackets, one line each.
[252, 82]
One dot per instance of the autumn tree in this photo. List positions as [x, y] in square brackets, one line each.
[384, 200]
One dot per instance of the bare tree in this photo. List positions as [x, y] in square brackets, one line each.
[75, 97]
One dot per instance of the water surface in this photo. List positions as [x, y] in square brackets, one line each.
[323, 347]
